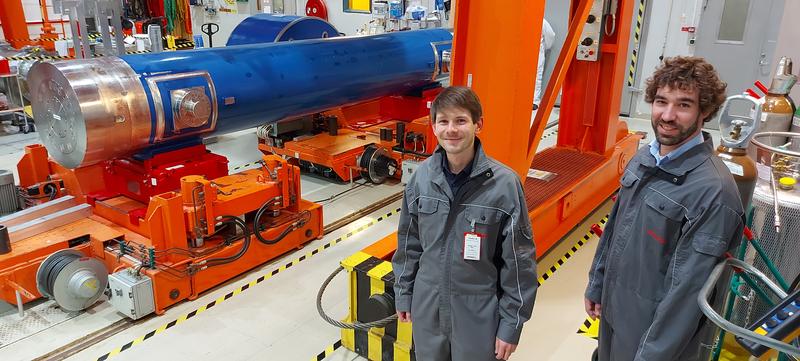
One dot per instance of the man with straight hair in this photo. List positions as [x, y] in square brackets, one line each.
[464, 264]
[678, 211]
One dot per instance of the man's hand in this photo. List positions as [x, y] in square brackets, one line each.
[502, 349]
[403, 316]
[592, 309]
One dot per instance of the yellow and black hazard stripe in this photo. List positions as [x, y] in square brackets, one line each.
[328, 351]
[182, 45]
[46, 38]
[39, 57]
[243, 288]
[245, 165]
[590, 328]
[637, 40]
[581, 242]
[371, 276]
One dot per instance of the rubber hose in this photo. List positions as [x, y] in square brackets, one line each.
[224, 260]
[257, 228]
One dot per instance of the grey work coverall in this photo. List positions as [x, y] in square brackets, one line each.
[669, 227]
[459, 306]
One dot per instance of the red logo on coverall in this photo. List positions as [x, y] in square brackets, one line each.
[656, 237]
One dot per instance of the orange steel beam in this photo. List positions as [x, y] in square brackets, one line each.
[48, 36]
[565, 58]
[495, 52]
[15, 30]
[592, 100]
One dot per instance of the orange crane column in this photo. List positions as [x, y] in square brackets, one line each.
[594, 113]
[15, 29]
[495, 52]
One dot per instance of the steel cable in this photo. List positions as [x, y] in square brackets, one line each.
[355, 326]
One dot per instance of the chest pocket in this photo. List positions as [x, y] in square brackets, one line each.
[430, 219]
[663, 221]
[488, 222]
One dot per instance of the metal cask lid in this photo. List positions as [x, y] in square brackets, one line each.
[88, 111]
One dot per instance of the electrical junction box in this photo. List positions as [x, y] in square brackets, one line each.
[589, 45]
[409, 167]
[131, 294]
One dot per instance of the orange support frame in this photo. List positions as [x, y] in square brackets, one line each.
[15, 29]
[169, 221]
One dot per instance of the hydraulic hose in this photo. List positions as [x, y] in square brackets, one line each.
[297, 223]
[355, 326]
[276, 239]
[224, 260]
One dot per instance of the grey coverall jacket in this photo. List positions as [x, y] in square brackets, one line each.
[669, 227]
[459, 306]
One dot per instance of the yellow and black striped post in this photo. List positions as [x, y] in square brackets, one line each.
[370, 276]
[637, 40]
[590, 328]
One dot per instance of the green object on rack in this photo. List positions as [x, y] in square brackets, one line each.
[772, 269]
[735, 283]
[170, 13]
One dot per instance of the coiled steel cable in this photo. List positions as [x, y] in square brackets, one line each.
[355, 326]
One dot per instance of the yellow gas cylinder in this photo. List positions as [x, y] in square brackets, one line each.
[777, 109]
[743, 169]
[735, 133]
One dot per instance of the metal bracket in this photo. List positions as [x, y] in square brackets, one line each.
[152, 83]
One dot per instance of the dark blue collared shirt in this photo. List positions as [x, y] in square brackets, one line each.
[457, 180]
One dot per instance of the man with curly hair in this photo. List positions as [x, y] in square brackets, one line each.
[677, 213]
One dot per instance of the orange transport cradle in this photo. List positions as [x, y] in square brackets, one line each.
[136, 224]
[336, 152]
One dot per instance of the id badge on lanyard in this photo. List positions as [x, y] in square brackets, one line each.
[472, 244]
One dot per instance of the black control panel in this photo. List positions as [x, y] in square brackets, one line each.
[782, 322]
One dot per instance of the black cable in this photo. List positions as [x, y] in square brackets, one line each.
[277, 239]
[295, 224]
[224, 260]
[406, 151]
[53, 190]
[200, 253]
[795, 283]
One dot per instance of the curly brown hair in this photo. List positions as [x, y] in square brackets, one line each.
[689, 73]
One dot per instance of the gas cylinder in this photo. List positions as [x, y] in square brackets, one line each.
[735, 133]
[777, 109]
[795, 129]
